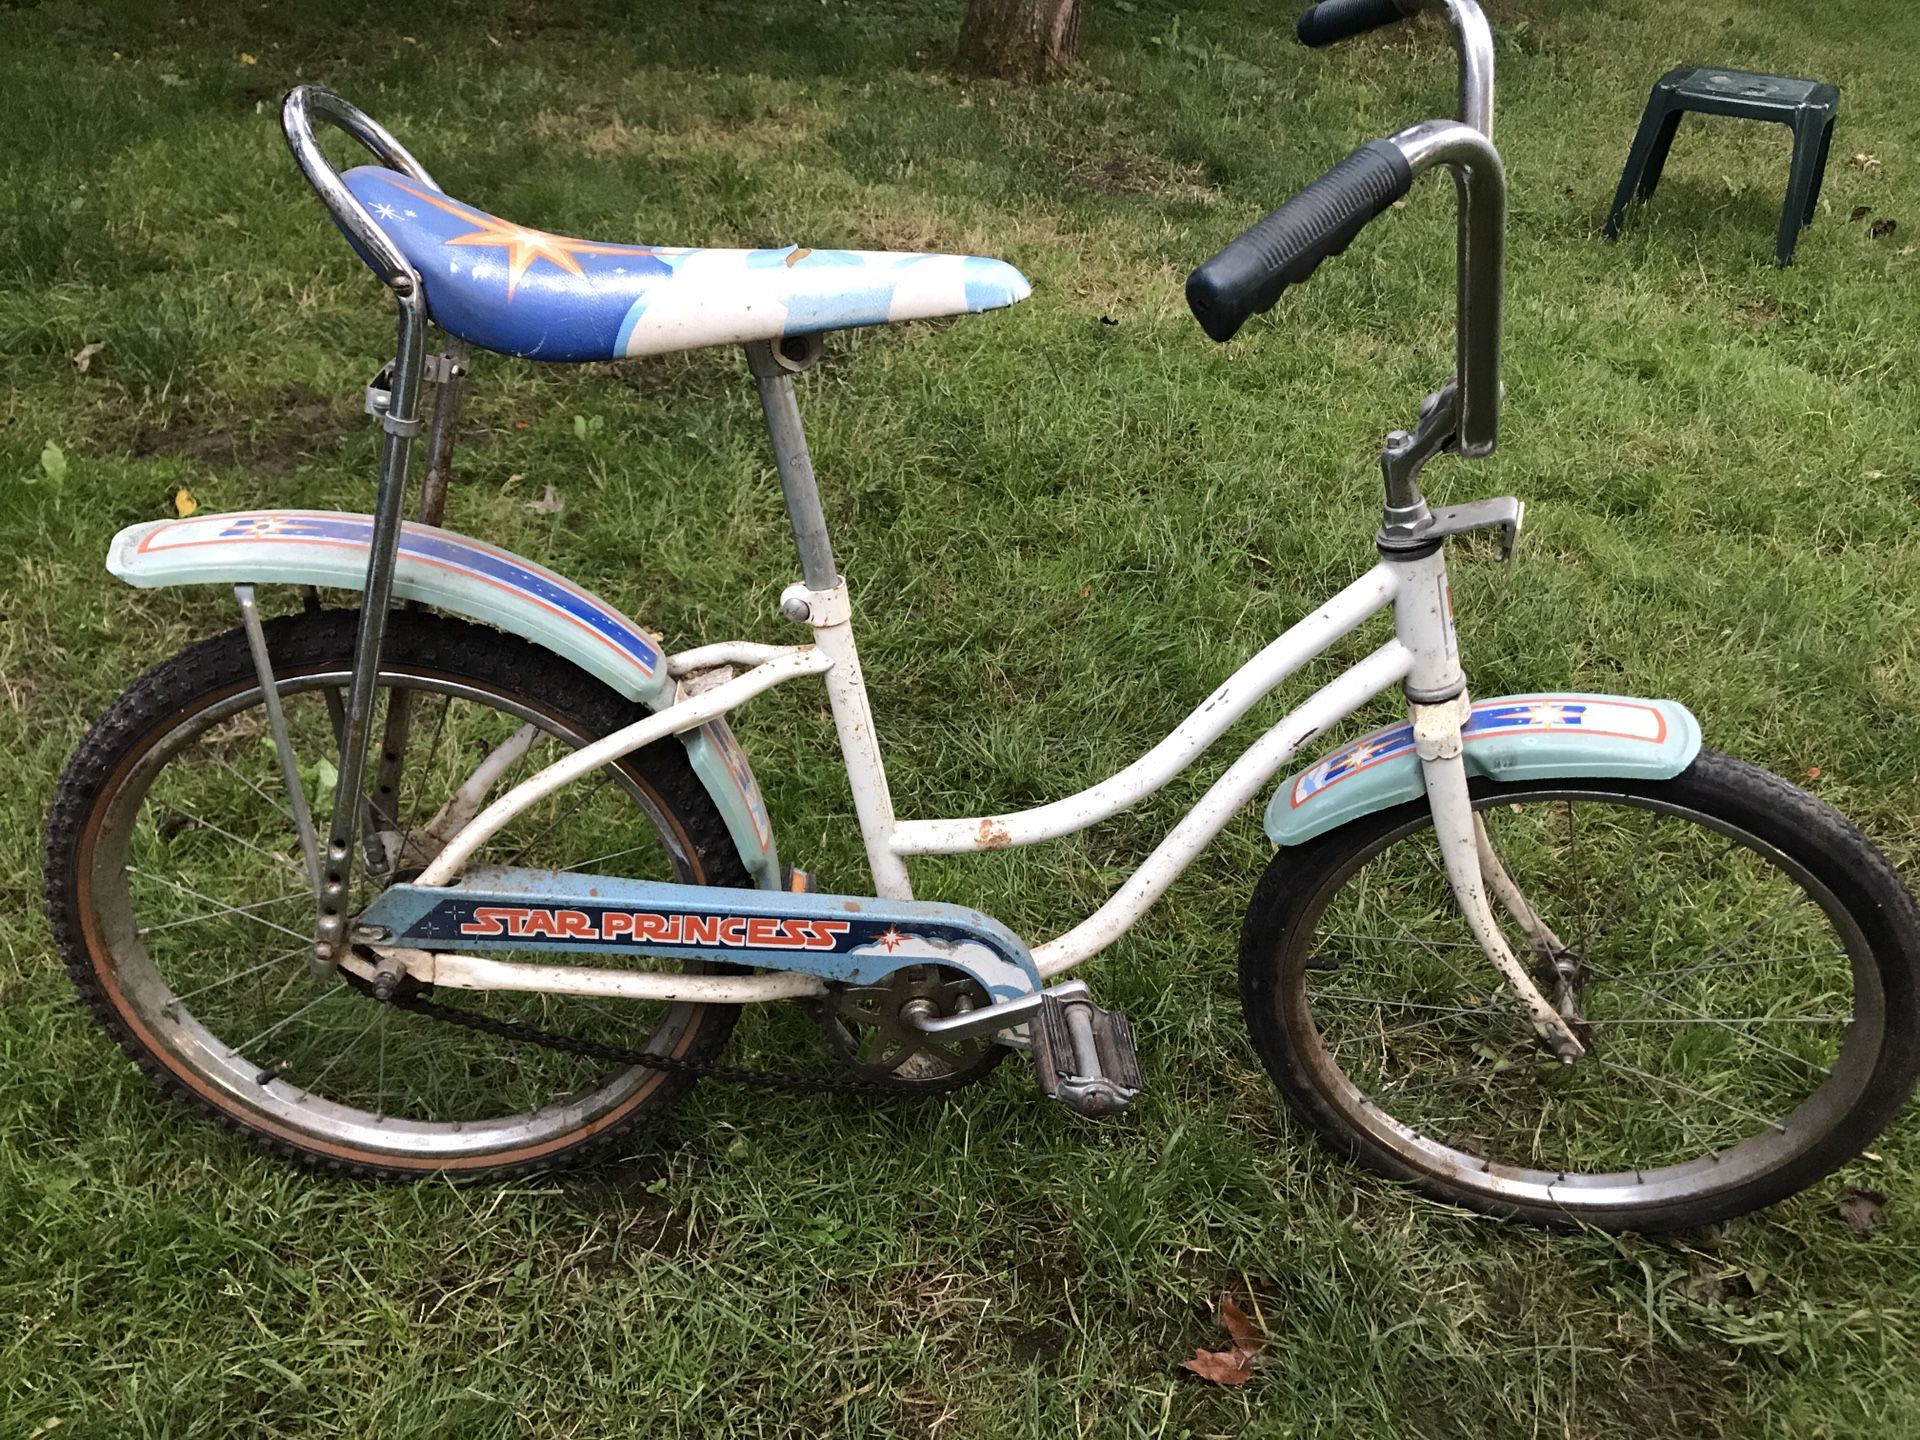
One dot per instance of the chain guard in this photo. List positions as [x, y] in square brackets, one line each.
[870, 1029]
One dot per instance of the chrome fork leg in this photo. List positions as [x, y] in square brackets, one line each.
[402, 423]
[277, 726]
[1436, 734]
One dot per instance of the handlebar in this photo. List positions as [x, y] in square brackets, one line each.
[1334, 20]
[1288, 245]
[307, 103]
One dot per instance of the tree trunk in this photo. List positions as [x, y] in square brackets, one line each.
[1019, 39]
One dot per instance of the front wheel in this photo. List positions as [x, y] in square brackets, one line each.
[1741, 960]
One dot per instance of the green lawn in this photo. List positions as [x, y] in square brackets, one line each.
[1065, 524]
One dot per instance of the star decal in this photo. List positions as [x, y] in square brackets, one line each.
[386, 211]
[523, 245]
[893, 939]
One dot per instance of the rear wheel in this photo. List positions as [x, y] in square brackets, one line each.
[1742, 961]
[179, 897]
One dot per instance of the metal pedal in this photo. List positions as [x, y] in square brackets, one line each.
[1083, 1056]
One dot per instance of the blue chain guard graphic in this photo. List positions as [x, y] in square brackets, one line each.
[849, 938]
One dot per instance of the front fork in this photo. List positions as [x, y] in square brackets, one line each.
[1473, 869]
[1437, 696]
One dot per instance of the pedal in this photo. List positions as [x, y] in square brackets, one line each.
[1083, 1056]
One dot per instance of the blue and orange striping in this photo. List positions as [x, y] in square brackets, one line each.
[1618, 719]
[429, 546]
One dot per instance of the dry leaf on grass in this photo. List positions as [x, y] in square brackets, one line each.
[83, 357]
[548, 504]
[1860, 212]
[1233, 1366]
[183, 502]
[1864, 161]
[1880, 229]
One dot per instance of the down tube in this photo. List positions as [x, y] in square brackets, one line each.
[1325, 708]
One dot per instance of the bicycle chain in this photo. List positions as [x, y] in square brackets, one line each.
[520, 1030]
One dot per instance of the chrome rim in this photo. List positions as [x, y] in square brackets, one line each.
[198, 900]
[1734, 1011]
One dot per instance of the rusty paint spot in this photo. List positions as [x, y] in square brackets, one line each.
[993, 835]
[797, 254]
[852, 907]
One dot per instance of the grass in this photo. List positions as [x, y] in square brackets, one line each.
[1064, 524]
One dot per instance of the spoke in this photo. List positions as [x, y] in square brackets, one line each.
[233, 770]
[228, 834]
[610, 855]
[266, 964]
[1622, 881]
[1732, 1020]
[1399, 1004]
[1393, 939]
[1754, 929]
[1706, 1019]
[587, 792]
[320, 999]
[313, 1085]
[1599, 934]
[1608, 1063]
[425, 772]
[147, 930]
[217, 904]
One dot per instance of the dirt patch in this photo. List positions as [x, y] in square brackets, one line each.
[298, 424]
[1128, 172]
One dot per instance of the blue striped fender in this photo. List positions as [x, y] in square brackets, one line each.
[1513, 737]
[464, 577]
[855, 939]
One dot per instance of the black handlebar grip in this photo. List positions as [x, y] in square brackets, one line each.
[1287, 246]
[1334, 20]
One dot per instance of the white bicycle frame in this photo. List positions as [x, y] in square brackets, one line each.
[1422, 657]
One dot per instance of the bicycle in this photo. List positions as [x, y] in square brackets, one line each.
[1710, 1005]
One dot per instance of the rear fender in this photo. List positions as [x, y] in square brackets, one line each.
[1514, 737]
[465, 577]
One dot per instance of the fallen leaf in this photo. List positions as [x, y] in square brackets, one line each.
[1864, 161]
[51, 1422]
[246, 59]
[1813, 772]
[1860, 212]
[1880, 229]
[183, 502]
[548, 504]
[83, 357]
[1862, 1209]
[53, 462]
[1234, 1366]
[1245, 1337]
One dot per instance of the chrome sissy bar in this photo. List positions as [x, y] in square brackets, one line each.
[400, 420]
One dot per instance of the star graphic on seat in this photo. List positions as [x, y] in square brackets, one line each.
[523, 245]
[893, 939]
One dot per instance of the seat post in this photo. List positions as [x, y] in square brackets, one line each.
[773, 376]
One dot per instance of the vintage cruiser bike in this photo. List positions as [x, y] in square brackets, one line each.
[472, 877]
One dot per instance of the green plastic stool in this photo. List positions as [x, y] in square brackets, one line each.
[1806, 107]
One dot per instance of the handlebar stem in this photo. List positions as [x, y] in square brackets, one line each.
[1481, 183]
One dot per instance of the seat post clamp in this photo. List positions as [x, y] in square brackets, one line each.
[818, 608]
[393, 425]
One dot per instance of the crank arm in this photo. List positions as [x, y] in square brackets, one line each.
[1002, 1015]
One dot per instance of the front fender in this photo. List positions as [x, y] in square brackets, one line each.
[1514, 737]
[462, 576]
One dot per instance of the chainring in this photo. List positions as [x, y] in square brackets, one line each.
[870, 1028]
